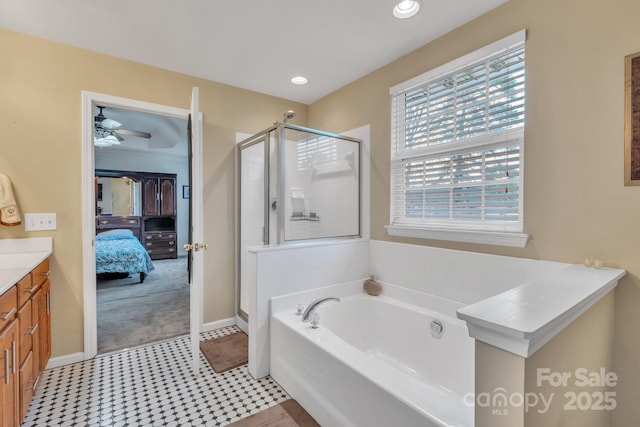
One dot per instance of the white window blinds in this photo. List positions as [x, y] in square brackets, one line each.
[457, 142]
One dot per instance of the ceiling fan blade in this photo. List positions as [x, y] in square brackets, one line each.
[134, 133]
[117, 135]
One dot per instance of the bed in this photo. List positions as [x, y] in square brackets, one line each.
[119, 251]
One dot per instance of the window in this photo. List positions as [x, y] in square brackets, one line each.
[457, 140]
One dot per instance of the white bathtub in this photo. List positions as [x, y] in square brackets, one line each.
[373, 361]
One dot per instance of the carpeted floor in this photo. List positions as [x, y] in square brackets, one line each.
[131, 313]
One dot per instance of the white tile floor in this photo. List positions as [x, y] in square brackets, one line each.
[150, 386]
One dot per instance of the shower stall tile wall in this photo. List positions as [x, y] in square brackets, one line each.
[321, 187]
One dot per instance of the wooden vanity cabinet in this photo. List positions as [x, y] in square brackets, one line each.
[25, 342]
[9, 392]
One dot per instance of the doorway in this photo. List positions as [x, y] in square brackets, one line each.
[142, 218]
[90, 164]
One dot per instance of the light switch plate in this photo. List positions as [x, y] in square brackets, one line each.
[40, 221]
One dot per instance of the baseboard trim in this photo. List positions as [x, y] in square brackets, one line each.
[242, 325]
[218, 324]
[67, 359]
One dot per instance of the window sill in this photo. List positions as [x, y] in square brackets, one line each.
[499, 238]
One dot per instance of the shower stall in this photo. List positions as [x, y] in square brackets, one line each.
[295, 184]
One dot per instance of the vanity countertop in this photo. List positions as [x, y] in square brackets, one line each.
[19, 256]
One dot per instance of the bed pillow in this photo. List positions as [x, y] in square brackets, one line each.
[115, 235]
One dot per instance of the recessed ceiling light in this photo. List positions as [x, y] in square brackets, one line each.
[299, 80]
[406, 9]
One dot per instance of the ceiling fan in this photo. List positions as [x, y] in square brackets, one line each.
[108, 129]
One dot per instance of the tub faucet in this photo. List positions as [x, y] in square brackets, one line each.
[306, 316]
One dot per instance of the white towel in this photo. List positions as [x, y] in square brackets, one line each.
[9, 213]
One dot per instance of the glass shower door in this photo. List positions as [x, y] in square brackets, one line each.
[252, 205]
[319, 185]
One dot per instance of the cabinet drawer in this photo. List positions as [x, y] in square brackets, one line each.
[159, 236]
[25, 289]
[40, 273]
[117, 221]
[161, 244]
[26, 329]
[161, 251]
[8, 306]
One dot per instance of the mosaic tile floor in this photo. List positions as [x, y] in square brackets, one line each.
[150, 386]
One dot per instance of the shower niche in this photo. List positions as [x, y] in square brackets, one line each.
[295, 184]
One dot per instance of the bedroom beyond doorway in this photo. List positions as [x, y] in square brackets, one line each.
[131, 313]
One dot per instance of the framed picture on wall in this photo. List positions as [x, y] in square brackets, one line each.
[632, 119]
[185, 191]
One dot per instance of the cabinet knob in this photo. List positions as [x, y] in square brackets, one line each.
[132, 221]
[149, 243]
[104, 221]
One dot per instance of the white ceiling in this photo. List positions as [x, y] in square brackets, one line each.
[252, 44]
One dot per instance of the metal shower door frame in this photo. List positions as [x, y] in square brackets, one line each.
[260, 137]
[278, 130]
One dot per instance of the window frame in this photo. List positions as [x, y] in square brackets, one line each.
[503, 233]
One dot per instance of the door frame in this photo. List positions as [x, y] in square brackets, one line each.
[88, 203]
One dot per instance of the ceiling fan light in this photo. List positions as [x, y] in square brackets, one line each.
[406, 9]
[112, 140]
[110, 124]
[101, 142]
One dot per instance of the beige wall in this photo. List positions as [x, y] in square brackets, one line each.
[504, 380]
[585, 344]
[498, 373]
[575, 202]
[40, 149]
